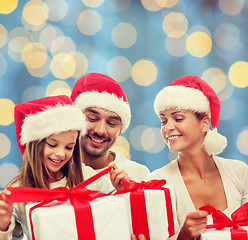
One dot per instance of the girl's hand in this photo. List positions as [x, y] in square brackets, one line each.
[116, 175]
[6, 211]
[194, 225]
[140, 237]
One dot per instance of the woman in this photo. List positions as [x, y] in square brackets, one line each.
[186, 109]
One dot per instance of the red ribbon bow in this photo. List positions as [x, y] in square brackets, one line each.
[78, 196]
[131, 186]
[138, 204]
[238, 218]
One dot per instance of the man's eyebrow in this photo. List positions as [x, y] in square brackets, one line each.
[92, 111]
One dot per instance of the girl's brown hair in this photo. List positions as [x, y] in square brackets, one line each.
[33, 172]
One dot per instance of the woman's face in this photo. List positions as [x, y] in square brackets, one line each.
[181, 129]
[58, 150]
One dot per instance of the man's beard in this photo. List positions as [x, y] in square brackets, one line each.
[93, 153]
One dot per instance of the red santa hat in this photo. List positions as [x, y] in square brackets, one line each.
[99, 90]
[40, 118]
[192, 93]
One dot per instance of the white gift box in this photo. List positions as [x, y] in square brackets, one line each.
[223, 234]
[57, 220]
[157, 210]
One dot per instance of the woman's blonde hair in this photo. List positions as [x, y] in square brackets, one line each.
[33, 172]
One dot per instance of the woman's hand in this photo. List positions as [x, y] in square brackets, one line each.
[194, 225]
[140, 237]
[6, 211]
[116, 175]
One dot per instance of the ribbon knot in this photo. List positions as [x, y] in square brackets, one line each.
[220, 220]
[131, 186]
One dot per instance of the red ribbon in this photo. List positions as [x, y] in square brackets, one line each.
[238, 218]
[138, 205]
[78, 196]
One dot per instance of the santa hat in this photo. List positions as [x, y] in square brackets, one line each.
[99, 90]
[40, 118]
[192, 93]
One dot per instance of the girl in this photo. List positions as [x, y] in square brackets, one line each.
[186, 109]
[47, 132]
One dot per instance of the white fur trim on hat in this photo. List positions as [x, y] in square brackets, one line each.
[181, 97]
[52, 121]
[105, 101]
[214, 142]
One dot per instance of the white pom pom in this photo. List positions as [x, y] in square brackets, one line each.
[214, 143]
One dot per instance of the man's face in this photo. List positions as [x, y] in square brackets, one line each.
[103, 128]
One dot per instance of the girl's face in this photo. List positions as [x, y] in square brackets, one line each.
[58, 150]
[181, 129]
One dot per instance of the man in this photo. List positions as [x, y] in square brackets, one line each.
[108, 115]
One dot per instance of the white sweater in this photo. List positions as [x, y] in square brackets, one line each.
[234, 175]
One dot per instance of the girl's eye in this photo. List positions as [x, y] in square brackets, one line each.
[51, 145]
[69, 148]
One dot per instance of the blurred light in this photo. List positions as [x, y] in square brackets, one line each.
[49, 34]
[18, 39]
[175, 24]
[172, 155]
[4, 145]
[152, 141]
[89, 22]
[227, 92]
[63, 66]
[144, 72]
[135, 137]
[226, 35]
[231, 7]
[242, 142]
[81, 64]
[58, 88]
[93, 3]
[166, 3]
[42, 71]
[7, 172]
[8, 6]
[176, 46]
[3, 64]
[238, 74]
[3, 35]
[199, 44]
[119, 68]
[6, 111]
[151, 5]
[122, 147]
[228, 109]
[118, 5]
[34, 55]
[57, 9]
[62, 44]
[35, 14]
[216, 79]
[32, 92]
[124, 35]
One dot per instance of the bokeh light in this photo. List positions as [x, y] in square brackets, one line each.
[231, 7]
[175, 24]
[4, 145]
[238, 74]
[124, 35]
[89, 22]
[122, 147]
[7, 172]
[58, 88]
[242, 142]
[7, 7]
[6, 111]
[119, 68]
[144, 72]
[199, 44]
